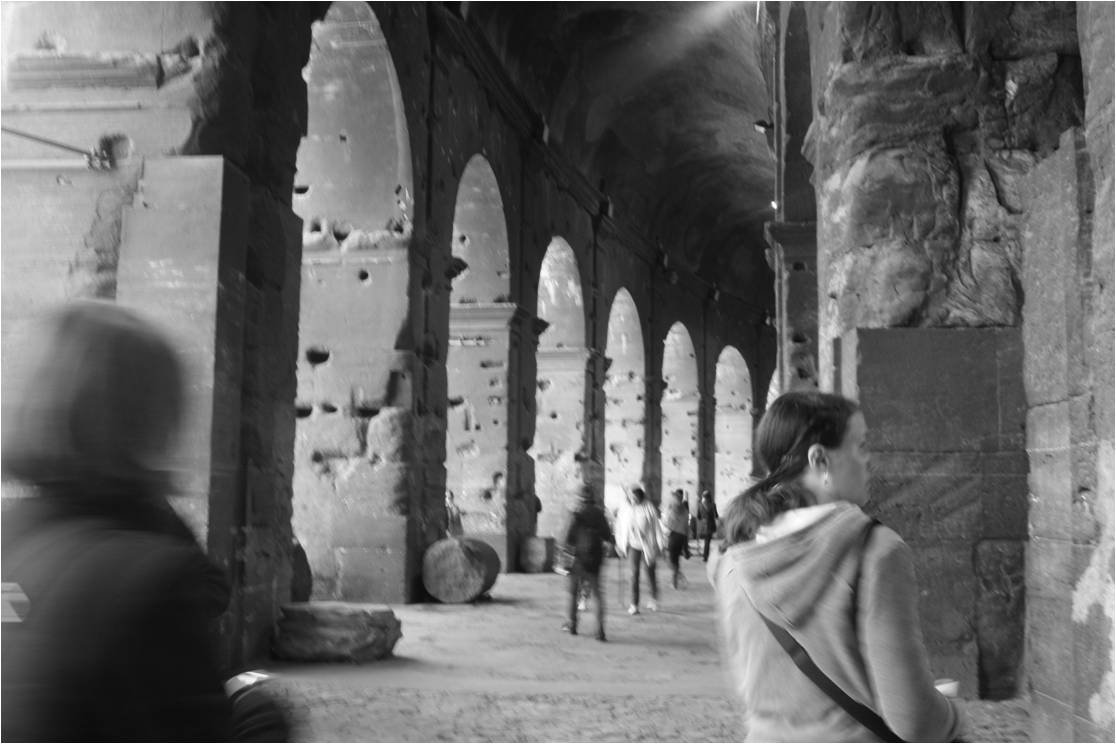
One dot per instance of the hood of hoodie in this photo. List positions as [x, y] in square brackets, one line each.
[796, 560]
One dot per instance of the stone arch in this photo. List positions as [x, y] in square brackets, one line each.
[678, 443]
[353, 192]
[625, 405]
[477, 357]
[733, 426]
[560, 396]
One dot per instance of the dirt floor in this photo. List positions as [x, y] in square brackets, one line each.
[502, 670]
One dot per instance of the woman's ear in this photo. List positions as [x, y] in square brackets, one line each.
[817, 457]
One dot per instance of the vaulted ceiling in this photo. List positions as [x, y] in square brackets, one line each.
[656, 103]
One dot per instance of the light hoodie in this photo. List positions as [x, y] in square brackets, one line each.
[850, 599]
[637, 527]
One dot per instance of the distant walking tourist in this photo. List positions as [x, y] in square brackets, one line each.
[585, 540]
[454, 527]
[814, 594]
[116, 642]
[639, 539]
[676, 522]
[707, 517]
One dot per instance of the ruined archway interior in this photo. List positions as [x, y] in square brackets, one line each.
[624, 390]
[352, 192]
[679, 412]
[477, 356]
[560, 386]
[733, 391]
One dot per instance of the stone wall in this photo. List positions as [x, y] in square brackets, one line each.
[1067, 331]
[929, 122]
[339, 380]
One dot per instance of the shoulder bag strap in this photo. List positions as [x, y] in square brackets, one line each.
[862, 713]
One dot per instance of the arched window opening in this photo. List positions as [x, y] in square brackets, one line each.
[678, 445]
[733, 391]
[560, 389]
[477, 355]
[624, 388]
[353, 192]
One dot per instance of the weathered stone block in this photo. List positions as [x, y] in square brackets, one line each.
[536, 554]
[1050, 646]
[931, 389]
[1004, 495]
[366, 502]
[1001, 617]
[1051, 571]
[1051, 719]
[329, 434]
[948, 585]
[1051, 515]
[928, 508]
[389, 436]
[336, 631]
[374, 574]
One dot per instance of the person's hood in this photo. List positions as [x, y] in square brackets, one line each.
[792, 562]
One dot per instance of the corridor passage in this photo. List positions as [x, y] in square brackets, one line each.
[502, 670]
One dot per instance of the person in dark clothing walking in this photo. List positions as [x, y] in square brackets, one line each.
[116, 641]
[676, 521]
[707, 521]
[585, 539]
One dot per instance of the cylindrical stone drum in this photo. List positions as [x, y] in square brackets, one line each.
[459, 569]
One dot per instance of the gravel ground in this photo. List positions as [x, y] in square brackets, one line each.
[502, 670]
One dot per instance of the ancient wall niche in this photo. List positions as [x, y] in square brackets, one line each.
[560, 387]
[733, 424]
[679, 417]
[625, 410]
[353, 432]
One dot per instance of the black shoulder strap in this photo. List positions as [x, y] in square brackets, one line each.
[862, 713]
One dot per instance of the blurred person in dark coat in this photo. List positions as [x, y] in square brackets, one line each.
[116, 643]
[586, 536]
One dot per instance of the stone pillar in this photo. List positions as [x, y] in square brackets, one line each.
[524, 330]
[355, 448]
[795, 261]
[478, 435]
[945, 411]
[1069, 628]
[560, 434]
[182, 263]
[593, 437]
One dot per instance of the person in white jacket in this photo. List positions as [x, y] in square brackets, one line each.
[639, 538]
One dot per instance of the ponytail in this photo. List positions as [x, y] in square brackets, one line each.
[795, 422]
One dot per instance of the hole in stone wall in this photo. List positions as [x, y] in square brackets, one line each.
[315, 224]
[553, 414]
[802, 373]
[329, 408]
[303, 411]
[317, 458]
[364, 276]
[343, 137]
[799, 338]
[455, 401]
[366, 411]
[486, 495]
[798, 266]
[317, 355]
[301, 189]
[341, 231]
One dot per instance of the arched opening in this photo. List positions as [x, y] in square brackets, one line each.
[560, 389]
[624, 389]
[678, 446]
[352, 191]
[477, 357]
[733, 391]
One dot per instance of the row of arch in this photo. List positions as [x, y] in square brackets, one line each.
[354, 186]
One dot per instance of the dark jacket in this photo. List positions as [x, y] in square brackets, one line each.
[116, 643]
[586, 535]
[707, 518]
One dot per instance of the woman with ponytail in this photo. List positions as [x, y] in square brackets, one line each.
[804, 571]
